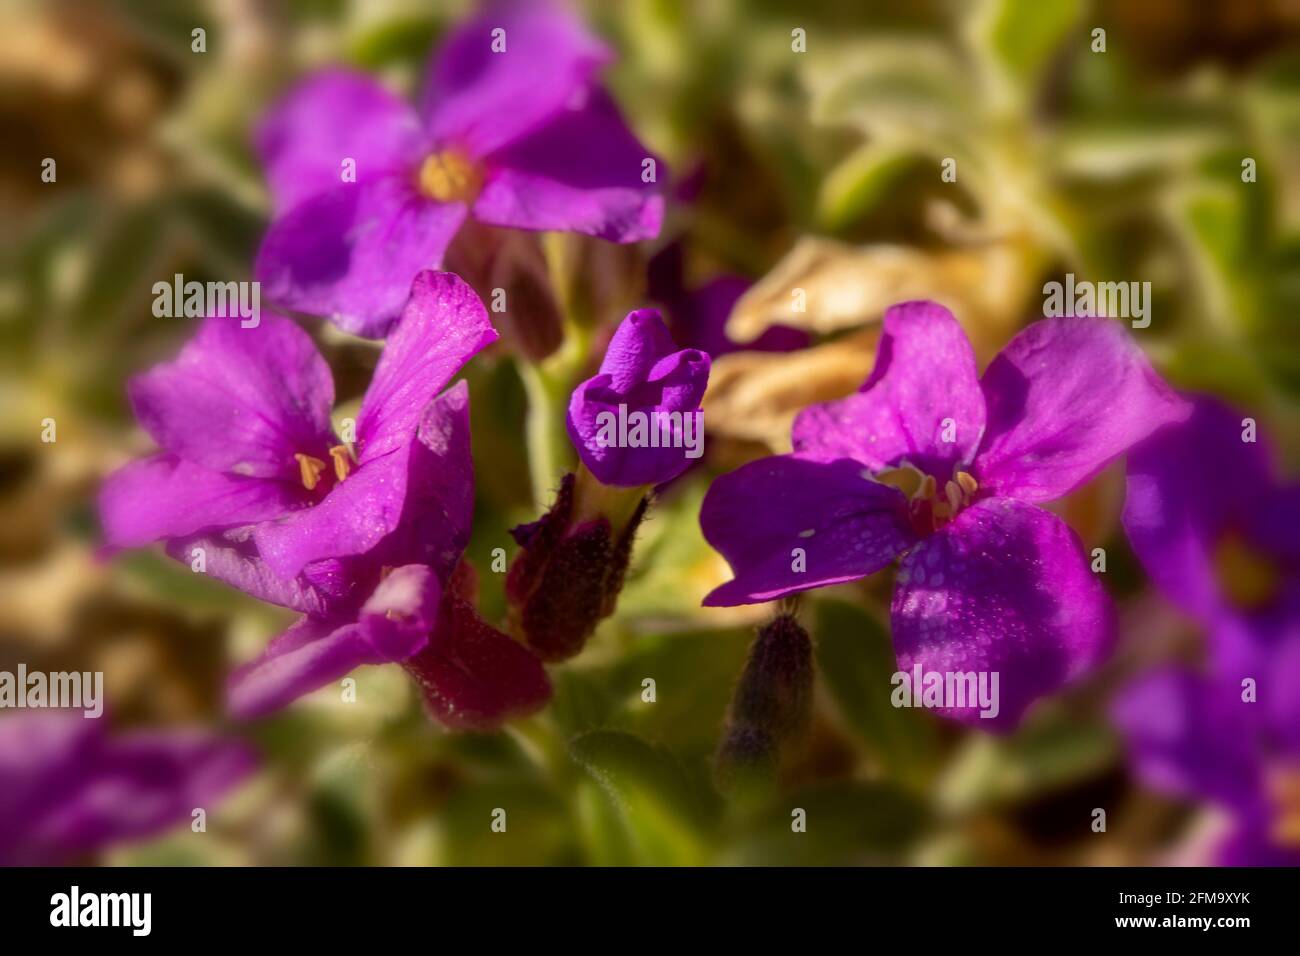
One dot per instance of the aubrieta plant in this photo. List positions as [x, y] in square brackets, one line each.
[944, 470]
[512, 128]
[361, 526]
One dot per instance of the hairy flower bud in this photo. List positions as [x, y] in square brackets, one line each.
[571, 569]
[773, 700]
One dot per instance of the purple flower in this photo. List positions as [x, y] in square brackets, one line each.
[1217, 530]
[512, 129]
[67, 788]
[243, 419]
[637, 421]
[411, 603]
[987, 581]
[363, 538]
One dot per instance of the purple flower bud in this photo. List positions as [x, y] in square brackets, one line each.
[638, 421]
[569, 574]
[773, 700]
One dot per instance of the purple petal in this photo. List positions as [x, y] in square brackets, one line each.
[643, 374]
[350, 254]
[442, 327]
[393, 624]
[1066, 397]
[1005, 588]
[331, 116]
[66, 788]
[231, 557]
[163, 497]
[435, 524]
[581, 172]
[1188, 485]
[240, 400]
[923, 391]
[480, 100]
[846, 525]
[1191, 737]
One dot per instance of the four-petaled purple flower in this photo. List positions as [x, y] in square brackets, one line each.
[68, 789]
[988, 581]
[512, 129]
[253, 488]
[1219, 533]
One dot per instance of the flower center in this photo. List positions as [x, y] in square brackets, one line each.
[450, 176]
[1282, 785]
[928, 509]
[1248, 577]
[310, 470]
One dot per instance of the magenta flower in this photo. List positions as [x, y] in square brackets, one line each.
[243, 419]
[411, 602]
[67, 788]
[1217, 531]
[987, 582]
[637, 421]
[512, 129]
[363, 538]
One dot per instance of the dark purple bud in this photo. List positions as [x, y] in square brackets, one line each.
[773, 701]
[568, 575]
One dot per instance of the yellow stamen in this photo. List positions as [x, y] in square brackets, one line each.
[450, 176]
[968, 484]
[1249, 578]
[927, 489]
[343, 461]
[309, 469]
[952, 491]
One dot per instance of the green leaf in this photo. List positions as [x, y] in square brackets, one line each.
[651, 794]
[856, 661]
[1021, 36]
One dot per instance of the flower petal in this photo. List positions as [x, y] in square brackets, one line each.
[394, 623]
[350, 254]
[1188, 485]
[164, 497]
[581, 172]
[231, 557]
[479, 99]
[332, 116]
[1003, 589]
[846, 525]
[443, 326]
[921, 405]
[66, 788]
[1191, 737]
[435, 524]
[1065, 398]
[644, 379]
[240, 400]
